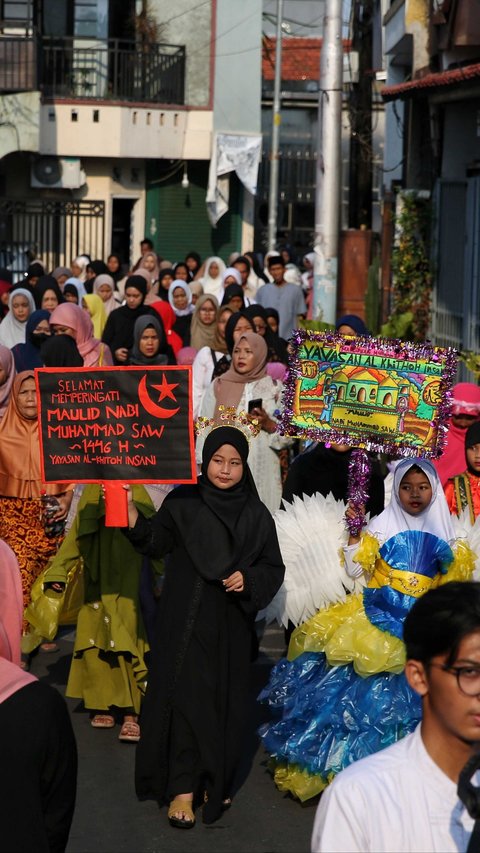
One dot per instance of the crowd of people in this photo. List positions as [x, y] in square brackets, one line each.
[377, 688]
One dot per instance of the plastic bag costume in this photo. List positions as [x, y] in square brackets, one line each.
[341, 693]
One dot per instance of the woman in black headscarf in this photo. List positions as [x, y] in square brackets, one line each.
[27, 356]
[236, 326]
[224, 565]
[277, 347]
[61, 351]
[165, 279]
[193, 262]
[93, 269]
[463, 490]
[47, 294]
[233, 297]
[118, 332]
[325, 469]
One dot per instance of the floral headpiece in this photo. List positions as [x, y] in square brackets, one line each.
[229, 417]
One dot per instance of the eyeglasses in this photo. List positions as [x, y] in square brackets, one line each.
[207, 310]
[468, 677]
[260, 327]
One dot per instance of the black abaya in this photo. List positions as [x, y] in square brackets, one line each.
[38, 758]
[324, 470]
[198, 677]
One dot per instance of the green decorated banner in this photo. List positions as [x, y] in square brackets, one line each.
[368, 392]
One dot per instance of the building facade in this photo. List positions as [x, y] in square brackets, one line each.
[433, 145]
[108, 116]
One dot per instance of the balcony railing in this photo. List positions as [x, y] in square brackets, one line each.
[114, 69]
[18, 63]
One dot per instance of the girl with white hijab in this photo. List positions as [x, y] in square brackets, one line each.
[13, 326]
[211, 280]
[79, 267]
[343, 692]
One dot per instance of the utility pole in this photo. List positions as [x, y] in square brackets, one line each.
[276, 119]
[329, 166]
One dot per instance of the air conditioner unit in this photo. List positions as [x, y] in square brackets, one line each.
[57, 173]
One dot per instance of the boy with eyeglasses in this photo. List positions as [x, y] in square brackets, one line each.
[405, 798]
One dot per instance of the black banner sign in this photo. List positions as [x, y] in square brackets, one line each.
[132, 424]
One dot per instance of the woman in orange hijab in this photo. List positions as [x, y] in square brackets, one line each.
[21, 487]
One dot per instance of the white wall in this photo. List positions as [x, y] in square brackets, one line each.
[125, 132]
[19, 122]
[188, 22]
[237, 88]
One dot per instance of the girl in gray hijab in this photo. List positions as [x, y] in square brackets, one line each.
[150, 345]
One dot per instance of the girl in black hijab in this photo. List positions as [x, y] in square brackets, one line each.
[193, 262]
[28, 356]
[118, 332]
[182, 272]
[224, 565]
[94, 268]
[236, 326]
[165, 279]
[463, 491]
[115, 268]
[325, 469]
[47, 294]
[233, 297]
[277, 347]
[61, 351]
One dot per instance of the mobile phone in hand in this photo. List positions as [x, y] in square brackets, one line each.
[255, 404]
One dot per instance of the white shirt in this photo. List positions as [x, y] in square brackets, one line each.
[396, 801]
[202, 370]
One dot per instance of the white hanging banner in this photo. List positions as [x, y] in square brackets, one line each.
[231, 153]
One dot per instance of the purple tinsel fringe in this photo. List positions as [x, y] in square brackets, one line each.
[358, 481]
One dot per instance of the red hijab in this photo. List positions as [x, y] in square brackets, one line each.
[168, 318]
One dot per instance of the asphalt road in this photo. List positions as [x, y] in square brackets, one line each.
[109, 819]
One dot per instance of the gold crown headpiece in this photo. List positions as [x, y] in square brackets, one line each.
[231, 418]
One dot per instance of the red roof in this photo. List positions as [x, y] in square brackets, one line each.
[431, 81]
[300, 58]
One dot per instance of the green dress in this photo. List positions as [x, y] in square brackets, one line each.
[108, 666]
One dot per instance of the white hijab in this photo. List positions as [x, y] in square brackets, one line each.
[12, 331]
[188, 293]
[82, 261]
[211, 285]
[435, 519]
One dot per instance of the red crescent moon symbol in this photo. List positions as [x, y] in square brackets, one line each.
[149, 405]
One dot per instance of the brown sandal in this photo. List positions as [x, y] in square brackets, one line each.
[177, 806]
[102, 721]
[130, 732]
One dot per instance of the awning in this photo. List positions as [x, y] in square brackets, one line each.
[430, 82]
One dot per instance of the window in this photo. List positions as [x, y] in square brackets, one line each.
[17, 10]
[91, 18]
